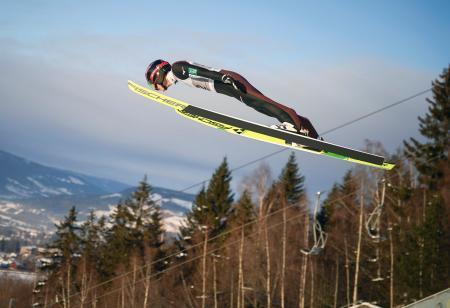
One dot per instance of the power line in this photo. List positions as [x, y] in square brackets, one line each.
[376, 111]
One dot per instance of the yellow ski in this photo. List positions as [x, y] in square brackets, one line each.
[260, 132]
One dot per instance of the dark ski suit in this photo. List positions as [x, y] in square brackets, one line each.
[234, 85]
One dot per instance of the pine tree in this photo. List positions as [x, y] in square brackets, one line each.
[244, 210]
[155, 228]
[197, 216]
[291, 181]
[154, 235]
[146, 227]
[117, 248]
[102, 261]
[67, 236]
[141, 207]
[219, 198]
[349, 186]
[211, 208]
[435, 126]
[65, 259]
[328, 207]
[337, 214]
[90, 235]
[436, 253]
[431, 158]
[87, 265]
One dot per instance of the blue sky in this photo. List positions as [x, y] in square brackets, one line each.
[64, 67]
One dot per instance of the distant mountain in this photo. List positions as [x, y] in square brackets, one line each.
[23, 179]
[34, 197]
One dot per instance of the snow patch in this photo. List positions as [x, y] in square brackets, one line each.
[182, 203]
[17, 183]
[36, 211]
[17, 191]
[100, 213]
[76, 181]
[65, 191]
[107, 213]
[44, 189]
[158, 199]
[7, 206]
[72, 180]
[172, 221]
[116, 195]
[17, 223]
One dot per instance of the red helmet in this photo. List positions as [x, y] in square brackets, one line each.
[157, 71]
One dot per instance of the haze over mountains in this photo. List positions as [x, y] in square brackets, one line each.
[33, 197]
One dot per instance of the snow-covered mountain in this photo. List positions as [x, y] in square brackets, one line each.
[24, 179]
[33, 197]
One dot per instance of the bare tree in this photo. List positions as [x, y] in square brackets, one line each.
[283, 258]
[123, 292]
[391, 245]
[205, 246]
[304, 265]
[214, 281]
[347, 272]
[312, 283]
[147, 272]
[358, 250]
[267, 248]
[336, 287]
[188, 294]
[240, 295]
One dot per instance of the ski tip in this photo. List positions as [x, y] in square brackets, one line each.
[388, 166]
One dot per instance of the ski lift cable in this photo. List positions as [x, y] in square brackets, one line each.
[280, 151]
[377, 111]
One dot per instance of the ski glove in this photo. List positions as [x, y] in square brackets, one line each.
[227, 79]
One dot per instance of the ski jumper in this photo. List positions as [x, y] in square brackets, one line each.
[211, 79]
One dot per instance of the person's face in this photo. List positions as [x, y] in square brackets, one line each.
[166, 84]
[159, 87]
